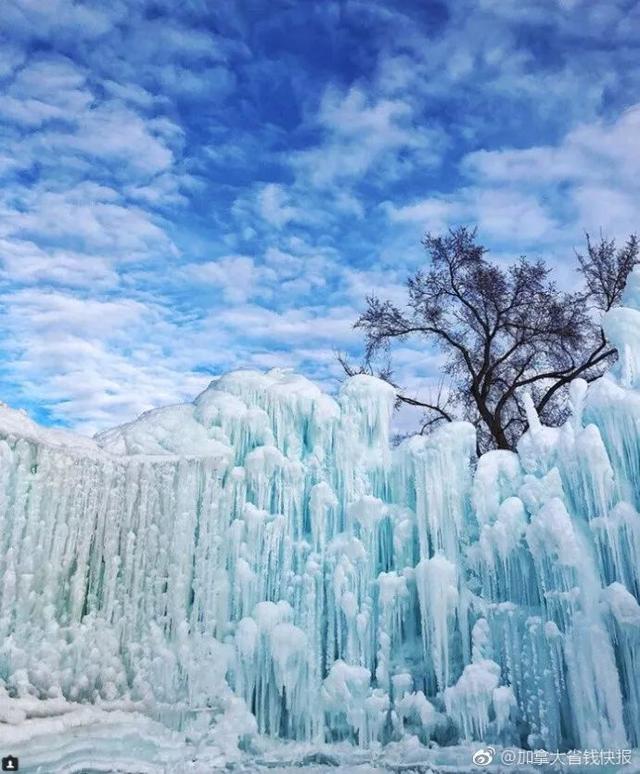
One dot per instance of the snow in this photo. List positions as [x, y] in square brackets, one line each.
[260, 576]
[470, 699]
[621, 327]
[623, 605]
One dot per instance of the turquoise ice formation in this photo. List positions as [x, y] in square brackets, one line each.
[262, 560]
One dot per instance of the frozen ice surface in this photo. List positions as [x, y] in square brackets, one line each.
[95, 741]
[259, 573]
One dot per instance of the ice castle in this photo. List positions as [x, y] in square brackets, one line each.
[263, 558]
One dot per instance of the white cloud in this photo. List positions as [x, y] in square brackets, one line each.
[615, 211]
[237, 276]
[598, 150]
[481, 58]
[499, 214]
[277, 275]
[88, 214]
[433, 214]
[59, 18]
[274, 205]
[544, 196]
[364, 134]
[26, 262]
[55, 89]
[47, 311]
[166, 188]
[592, 175]
[11, 57]
[575, 17]
[291, 326]
[304, 268]
[45, 89]
[114, 133]
[94, 362]
[357, 284]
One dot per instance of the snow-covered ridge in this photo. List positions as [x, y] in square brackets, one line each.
[15, 424]
[260, 560]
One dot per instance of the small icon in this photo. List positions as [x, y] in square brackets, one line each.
[483, 756]
[10, 763]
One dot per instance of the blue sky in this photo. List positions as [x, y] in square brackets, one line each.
[189, 187]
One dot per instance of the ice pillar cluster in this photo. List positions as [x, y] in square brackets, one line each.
[262, 558]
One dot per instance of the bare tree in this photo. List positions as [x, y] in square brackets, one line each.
[504, 331]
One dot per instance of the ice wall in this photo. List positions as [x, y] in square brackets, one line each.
[261, 559]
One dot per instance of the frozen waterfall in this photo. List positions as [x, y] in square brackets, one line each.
[261, 560]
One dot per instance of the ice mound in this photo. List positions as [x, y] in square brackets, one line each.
[262, 561]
